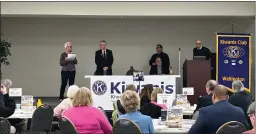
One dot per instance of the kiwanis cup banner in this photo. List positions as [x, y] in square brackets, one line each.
[233, 59]
[107, 89]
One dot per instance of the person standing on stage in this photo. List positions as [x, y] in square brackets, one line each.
[200, 50]
[68, 72]
[104, 60]
[159, 62]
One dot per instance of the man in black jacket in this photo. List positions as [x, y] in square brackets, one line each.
[200, 50]
[19, 124]
[104, 60]
[7, 105]
[206, 100]
[159, 62]
[241, 98]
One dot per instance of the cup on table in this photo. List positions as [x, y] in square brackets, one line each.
[17, 106]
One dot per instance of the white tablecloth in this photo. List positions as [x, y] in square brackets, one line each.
[19, 114]
[186, 124]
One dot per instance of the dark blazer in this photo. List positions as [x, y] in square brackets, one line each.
[7, 106]
[152, 110]
[242, 100]
[204, 51]
[165, 63]
[204, 101]
[212, 117]
[144, 100]
[102, 62]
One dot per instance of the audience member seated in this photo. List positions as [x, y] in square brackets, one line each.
[241, 98]
[86, 118]
[145, 94]
[19, 124]
[153, 109]
[7, 105]
[66, 103]
[204, 101]
[212, 117]
[118, 108]
[130, 102]
[251, 112]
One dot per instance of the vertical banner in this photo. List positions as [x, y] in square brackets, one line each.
[233, 59]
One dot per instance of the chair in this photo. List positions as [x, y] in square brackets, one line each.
[66, 126]
[5, 126]
[125, 126]
[101, 109]
[195, 115]
[42, 119]
[232, 127]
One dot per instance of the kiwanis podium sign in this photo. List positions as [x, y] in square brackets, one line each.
[233, 59]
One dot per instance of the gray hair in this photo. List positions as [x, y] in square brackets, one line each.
[66, 44]
[211, 84]
[251, 109]
[7, 83]
[72, 90]
[238, 86]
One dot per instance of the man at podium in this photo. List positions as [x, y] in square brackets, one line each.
[200, 50]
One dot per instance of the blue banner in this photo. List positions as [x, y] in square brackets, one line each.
[233, 59]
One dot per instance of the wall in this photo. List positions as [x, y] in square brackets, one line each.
[129, 8]
[38, 42]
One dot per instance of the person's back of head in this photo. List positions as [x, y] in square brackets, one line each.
[72, 91]
[146, 91]
[220, 92]
[238, 86]
[131, 87]
[210, 85]
[155, 92]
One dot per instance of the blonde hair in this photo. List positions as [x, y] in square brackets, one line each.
[155, 92]
[72, 91]
[130, 100]
[131, 87]
[83, 97]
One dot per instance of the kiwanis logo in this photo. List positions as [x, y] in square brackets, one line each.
[233, 52]
[99, 87]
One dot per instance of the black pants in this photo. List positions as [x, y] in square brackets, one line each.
[66, 77]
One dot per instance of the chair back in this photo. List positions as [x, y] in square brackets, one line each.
[42, 119]
[232, 127]
[5, 126]
[195, 115]
[125, 126]
[103, 111]
[66, 126]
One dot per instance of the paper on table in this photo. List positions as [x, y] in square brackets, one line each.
[188, 90]
[71, 56]
[15, 92]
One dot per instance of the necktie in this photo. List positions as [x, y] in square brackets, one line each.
[104, 54]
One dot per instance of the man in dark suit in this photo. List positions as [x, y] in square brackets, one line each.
[200, 50]
[159, 62]
[104, 60]
[212, 117]
[204, 101]
[241, 98]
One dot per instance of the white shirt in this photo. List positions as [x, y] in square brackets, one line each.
[104, 52]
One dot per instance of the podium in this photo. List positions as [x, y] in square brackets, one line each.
[195, 74]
